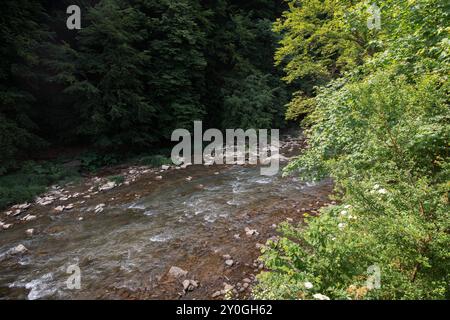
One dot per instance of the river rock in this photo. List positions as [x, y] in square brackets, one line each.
[227, 287]
[108, 186]
[6, 226]
[165, 167]
[22, 206]
[59, 209]
[158, 178]
[29, 217]
[20, 249]
[189, 285]
[29, 232]
[216, 294]
[177, 272]
[226, 256]
[250, 232]
[229, 262]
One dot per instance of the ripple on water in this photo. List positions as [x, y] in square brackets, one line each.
[163, 237]
[39, 288]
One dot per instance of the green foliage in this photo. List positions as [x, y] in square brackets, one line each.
[134, 72]
[154, 160]
[32, 180]
[91, 161]
[382, 134]
[20, 38]
[117, 179]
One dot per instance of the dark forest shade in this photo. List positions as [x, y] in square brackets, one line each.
[136, 71]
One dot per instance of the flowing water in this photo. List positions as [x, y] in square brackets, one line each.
[147, 227]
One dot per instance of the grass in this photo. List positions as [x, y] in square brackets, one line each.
[34, 178]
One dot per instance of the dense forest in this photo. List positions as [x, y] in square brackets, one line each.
[134, 72]
[117, 88]
[372, 100]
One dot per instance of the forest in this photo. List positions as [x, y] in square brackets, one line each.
[372, 101]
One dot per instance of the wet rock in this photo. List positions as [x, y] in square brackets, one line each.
[229, 262]
[188, 178]
[20, 249]
[69, 207]
[177, 272]
[80, 219]
[199, 187]
[29, 232]
[158, 178]
[165, 167]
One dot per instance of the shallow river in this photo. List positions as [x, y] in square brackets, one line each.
[148, 227]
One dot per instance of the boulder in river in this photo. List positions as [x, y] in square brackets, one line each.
[20, 249]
